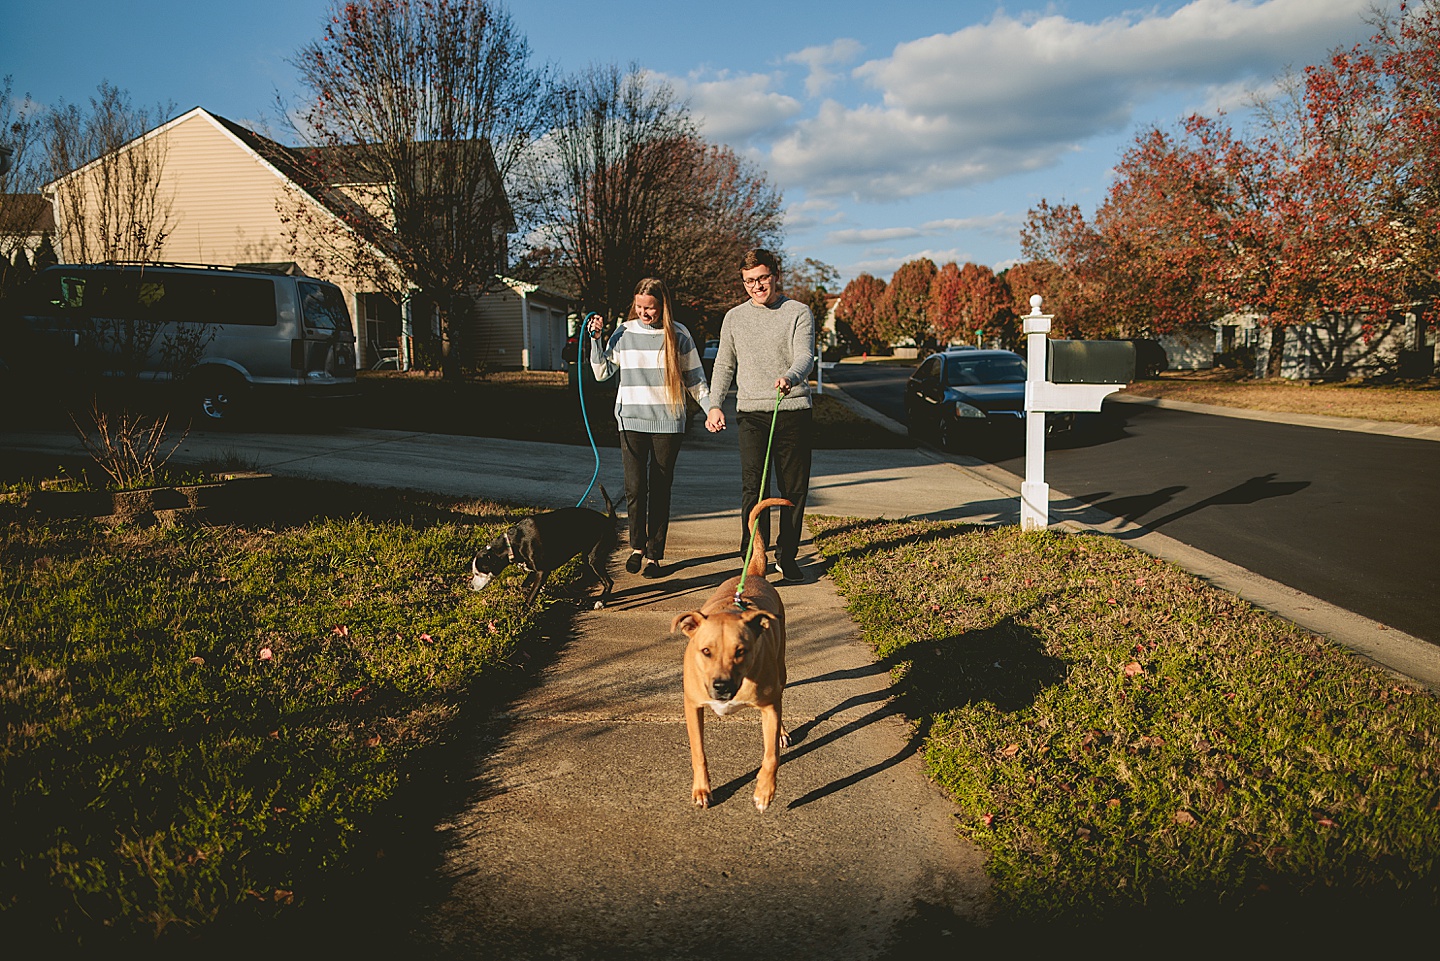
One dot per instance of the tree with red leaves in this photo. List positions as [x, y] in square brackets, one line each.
[907, 301]
[945, 309]
[1066, 266]
[860, 307]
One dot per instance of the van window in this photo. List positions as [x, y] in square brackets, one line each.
[323, 306]
[157, 296]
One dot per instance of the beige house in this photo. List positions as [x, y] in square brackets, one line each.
[227, 195]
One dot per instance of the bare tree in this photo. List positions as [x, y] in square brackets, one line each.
[21, 206]
[108, 188]
[431, 104]
[623, 186]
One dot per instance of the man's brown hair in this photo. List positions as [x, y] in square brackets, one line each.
[760, 257]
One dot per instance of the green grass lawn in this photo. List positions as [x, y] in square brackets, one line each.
[1127, 743]
[209, 725]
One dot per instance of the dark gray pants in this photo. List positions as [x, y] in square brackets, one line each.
[789, 466]
[649, 474]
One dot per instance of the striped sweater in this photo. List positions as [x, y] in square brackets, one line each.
[637, 351]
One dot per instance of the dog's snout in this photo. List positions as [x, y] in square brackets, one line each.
[478, 578]
[724, 688]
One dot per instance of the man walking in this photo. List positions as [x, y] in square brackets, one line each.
[767, 344]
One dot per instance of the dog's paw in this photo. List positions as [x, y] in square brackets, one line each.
[701, 797]
[762, 803]
[784, 739]
[598, 606]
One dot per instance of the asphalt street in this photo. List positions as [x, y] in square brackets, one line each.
[1331, 511]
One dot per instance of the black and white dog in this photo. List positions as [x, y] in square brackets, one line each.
[542, 542]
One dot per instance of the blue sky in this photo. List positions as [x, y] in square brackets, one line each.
[895, 130]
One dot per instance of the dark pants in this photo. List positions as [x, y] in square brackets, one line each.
[789, 466]
[649, 473]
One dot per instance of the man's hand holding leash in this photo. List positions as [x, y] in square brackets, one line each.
[715, 420]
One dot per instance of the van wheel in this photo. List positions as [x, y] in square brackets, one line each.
[219, 398]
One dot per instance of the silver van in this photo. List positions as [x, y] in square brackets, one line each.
[227, 335]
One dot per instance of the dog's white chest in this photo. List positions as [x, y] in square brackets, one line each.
[726, 708]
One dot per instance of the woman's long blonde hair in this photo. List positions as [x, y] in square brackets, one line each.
[655, 287]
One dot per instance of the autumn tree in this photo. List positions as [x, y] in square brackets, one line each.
[984, 303]
[907, 301]
[1042, 277]
[945, 309]
[107, 188]
[717, 207]
[623, 186]
[811, 281]
[1065, 256]
[860, 308]
[435, 102]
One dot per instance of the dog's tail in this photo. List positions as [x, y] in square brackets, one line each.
[609, 507]
[756, 567]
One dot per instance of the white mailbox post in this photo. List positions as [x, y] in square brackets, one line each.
[1042, 396]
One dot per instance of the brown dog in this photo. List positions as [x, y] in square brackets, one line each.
[735, 658]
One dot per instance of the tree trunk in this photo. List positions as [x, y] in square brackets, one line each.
[1275, 362]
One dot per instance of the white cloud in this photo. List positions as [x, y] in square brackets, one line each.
[822, 59]
[1000, 224]
[809, 214]
[883, 264]
[735, 110]
[1009, 96]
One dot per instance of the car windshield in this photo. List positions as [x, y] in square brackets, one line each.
[963, 371]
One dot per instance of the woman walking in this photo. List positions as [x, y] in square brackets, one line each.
[658, 363]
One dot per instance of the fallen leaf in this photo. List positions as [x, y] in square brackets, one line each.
[1010, 750]
[427, 639]
[197, 659]
[1133, 668]
[987, 819]
[284, 897]
[1114, 802]
[1184, 817]
[266, 654]
[1325, 822]
[342, 630]
[373, 741]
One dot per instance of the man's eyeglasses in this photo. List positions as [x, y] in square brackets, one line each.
[758, 281]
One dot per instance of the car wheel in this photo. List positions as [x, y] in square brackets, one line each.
[912, 428]
[948, 436]
[218, 398]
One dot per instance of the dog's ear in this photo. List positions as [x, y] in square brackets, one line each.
[758, 620]
[688, 623]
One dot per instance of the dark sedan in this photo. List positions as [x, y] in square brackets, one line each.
[964, 398]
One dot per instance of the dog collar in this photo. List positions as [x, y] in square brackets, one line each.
[509, 548]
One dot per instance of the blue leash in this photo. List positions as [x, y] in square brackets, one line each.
[580, 384]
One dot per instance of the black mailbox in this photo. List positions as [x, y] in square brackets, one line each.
[1090, 362]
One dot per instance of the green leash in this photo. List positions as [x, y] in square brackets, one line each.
[764, 486]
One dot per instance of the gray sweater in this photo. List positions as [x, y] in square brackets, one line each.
[757, 346]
